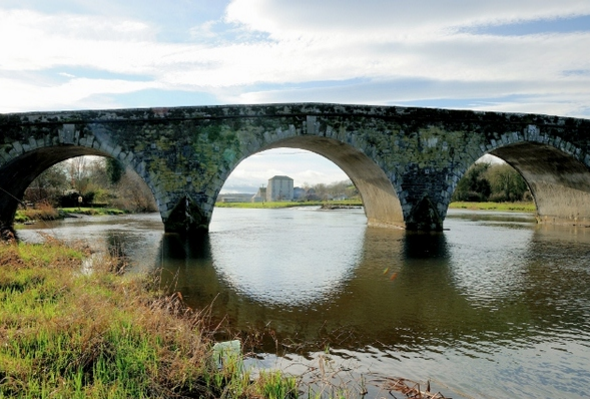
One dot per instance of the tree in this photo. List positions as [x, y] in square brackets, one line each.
[506, 183]
[48, 186]
[78, 174]
[114, 170]
[473, 186]
[133, 194]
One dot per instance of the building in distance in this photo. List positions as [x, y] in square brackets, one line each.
[280, 188]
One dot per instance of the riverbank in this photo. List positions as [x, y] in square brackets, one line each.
[45, 213]
[496, 206]
[287, 204]
[68, 329]
[480, 206]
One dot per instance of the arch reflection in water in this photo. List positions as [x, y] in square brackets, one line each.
[275, 258]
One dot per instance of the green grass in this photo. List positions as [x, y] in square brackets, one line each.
[486, 206]
[50, 213]
[496, 206]
[93, 211]
[285, 204]
[69, 334]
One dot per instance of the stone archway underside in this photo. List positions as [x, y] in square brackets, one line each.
[382, 206]
[560, 184]
[17, 175]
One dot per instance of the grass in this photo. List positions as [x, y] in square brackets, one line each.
[66, 332]
[93, 211]
[286, 204]
[47, 212]
[496, 206]
[484, 206]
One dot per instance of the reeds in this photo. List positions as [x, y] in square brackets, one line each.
[42, 211]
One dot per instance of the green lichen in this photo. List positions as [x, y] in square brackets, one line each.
[168, 179]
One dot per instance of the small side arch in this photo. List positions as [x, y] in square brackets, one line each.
[18, 173]
[559, 182]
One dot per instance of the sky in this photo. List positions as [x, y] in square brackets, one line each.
[511, 56]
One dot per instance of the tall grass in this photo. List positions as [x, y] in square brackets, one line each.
[41, 211]
[69, 334]
[44, 212]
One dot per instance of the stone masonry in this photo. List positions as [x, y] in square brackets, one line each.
[406, 162]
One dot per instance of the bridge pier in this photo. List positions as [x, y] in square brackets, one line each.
[188, 217]
[424, 217]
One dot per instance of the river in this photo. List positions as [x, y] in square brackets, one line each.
[493, 307]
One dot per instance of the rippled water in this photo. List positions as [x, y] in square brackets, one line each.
[493, 307]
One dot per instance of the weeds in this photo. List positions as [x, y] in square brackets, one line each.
[41, 211]
[44, 212]
[64, 333]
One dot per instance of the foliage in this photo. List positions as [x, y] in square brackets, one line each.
[486, 182]
[97, 180]
[92, 211]
[473, 186]
[506, 184]
[114, 170]
[133, 195]
[48, 185]
[42, 211]
[337, 190]
[67, 330]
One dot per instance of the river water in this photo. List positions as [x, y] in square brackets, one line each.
[494, 307]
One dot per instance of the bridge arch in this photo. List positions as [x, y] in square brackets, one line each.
[380, 199]
[22, 167]
[556, 171]
[559, 182]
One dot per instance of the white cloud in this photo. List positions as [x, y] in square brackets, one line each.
[76, 91]
[380, 45]
[387, 19]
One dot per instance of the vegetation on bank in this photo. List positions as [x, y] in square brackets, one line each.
[88, 182]
[485, 182]
[495, 206]
[287, 204]
[480, 206]
[47, 212]
[70, 331]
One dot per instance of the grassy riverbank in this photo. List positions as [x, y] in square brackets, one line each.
[286, 204]
[44, 213]
[482, 206]
[66, 332]
[496, 206]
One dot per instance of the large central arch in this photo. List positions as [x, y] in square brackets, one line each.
[381, 203]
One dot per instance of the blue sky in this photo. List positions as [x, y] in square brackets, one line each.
[513, 56]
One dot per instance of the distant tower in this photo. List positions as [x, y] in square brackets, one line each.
[280, 188]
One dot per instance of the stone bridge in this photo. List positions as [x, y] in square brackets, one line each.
[405, 162]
